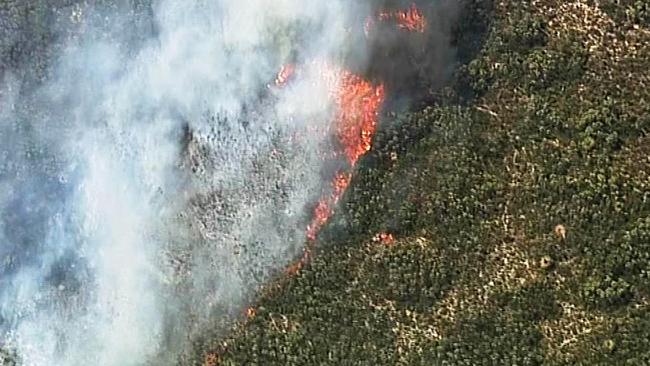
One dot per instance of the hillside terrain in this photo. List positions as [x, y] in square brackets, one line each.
[518, 197]
[519, 202]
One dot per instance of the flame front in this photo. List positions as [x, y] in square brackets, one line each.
[358, 108]
[340, 183]
[322, 213]
[357, 105]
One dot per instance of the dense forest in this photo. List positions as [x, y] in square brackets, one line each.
[517, 194]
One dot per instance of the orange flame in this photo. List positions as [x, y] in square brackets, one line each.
[322, 213]
[340, 183]
[297, 265]
[411, 20]
[359, 103]
[325, 207]
[250, 313]
[285, 74]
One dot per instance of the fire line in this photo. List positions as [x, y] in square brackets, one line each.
[357, 105]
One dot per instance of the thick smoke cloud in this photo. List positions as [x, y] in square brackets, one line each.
[156, 177]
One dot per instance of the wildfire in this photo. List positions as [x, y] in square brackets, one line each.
[322, 213]
[411, 19]
[340, 183]
[358, 107]
[358, 102]
[297, 265]
[324, 208]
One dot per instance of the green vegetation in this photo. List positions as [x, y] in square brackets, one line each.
[546, 125]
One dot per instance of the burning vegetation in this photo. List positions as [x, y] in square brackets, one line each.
[357, 103]
[411, 20]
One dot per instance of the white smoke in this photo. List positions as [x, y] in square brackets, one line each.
[114, 252]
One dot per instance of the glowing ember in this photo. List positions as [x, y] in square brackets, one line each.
[411, 20]
[384, 238]
[285, 73]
